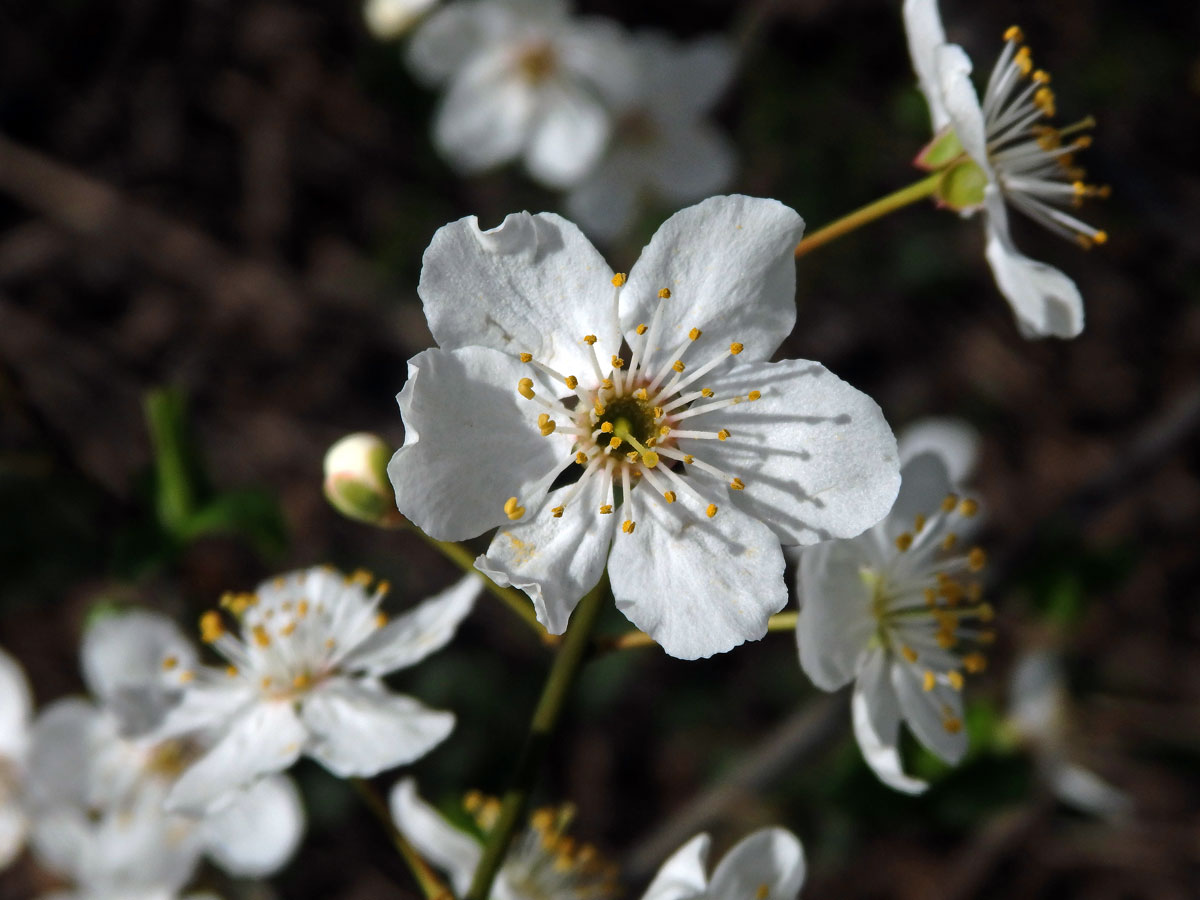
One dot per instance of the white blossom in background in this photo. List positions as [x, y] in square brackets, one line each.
[634, 423]
[766, 865]
[954, 441]
[542, 861]
[1040, 714]
[16, 709]
[524, 79]
[897, 611]
[390, 19]
[1018, 158]
[662, 145]
[98, 777]
[306, 657]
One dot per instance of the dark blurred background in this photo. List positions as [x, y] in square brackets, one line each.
[231, 199]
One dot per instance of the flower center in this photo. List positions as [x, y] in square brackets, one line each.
[537, 62]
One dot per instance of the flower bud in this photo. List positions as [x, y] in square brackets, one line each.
[356, 481]
[391, 19]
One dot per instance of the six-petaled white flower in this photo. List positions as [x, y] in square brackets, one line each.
[16, 704]
[304, 677]
[1012, 155]
[634, 422]
[661, 145]
[525, 80]
[897, 610]
[766, 865]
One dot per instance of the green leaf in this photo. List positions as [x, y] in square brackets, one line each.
[250, 514]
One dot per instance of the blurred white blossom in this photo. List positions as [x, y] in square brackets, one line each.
[390, 19]
[897, 610]
[954, 441]
[16, 707]
[524, 80]
[1003, 149]
[574, 407]
[662, 147]
[766, 865]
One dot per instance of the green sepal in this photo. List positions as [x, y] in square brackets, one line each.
[962, 186]
[940, 152]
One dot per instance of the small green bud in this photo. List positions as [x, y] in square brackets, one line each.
[962, 186]
[356, 481]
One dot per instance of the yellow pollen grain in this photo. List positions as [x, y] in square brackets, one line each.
[641, 394]
[641, 329]
[678, 365]
[572, 382]
[903, 541]
[526, 357]
[723, 434]
[170, 663]
[261, 637]
[735, 348]
[688, 459]
[618, 280]
[976, 559]
[211, 626]
[664, 430]
[754, 395]
[525, 388]
[606, 509]
[607, 427]
[908, 653]
[301, 681]
[598, 407]
[669, 496]
[694, 334]
[557, 511]
[512, 510]
[581, 458]
[737, 485]
[707, 393]
[589, 339]
[929, 681]
[548, 428]
[949, 541]
[664, 294]
[627, 526]
[617, 362]
[650, 459]
[952, 724]
[950, 501]
[711, 511]
[955, 678]
[974, 663]
[614, 442]
[1014, 33]
[231, 671]
[968, 508]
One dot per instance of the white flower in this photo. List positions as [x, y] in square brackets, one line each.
[661, 144]
[390, 19]
[1018, 158]
[542, 861]
[1040, 713]
[305, 677]
[634, 423]
[954, 441]
[93, 765]
[897, 610]
[524, 80]
[765, 865]
[16, 705]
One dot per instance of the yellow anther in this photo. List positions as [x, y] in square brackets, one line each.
[711, 511]
[737, 485]
[557, 511]
[581, 458]
[949, 541]
[918, 523]
[607, 427]
[512, 510]
[1014, 33]
[975, 663]
[526, 357]
[572, 382]
[617, 362]
[302, 606]
[548, 428]
[946, 639]
[641, 329]
[678, 365]
[606, 383]
[688, 459]
[976, 559]
[627, 526]
[1100, 237]
[694, 334]
[650, 459]
[669, 496]
[360, 577]
[641, 394]
[614, 442]
[735, 348]
[598, 408]
[606, 509]
[723, 434]
[949, 503]
[589, 339]
[170, 663]
[265, 684]
[287, 630]
[619, 279]
[930, 597]
[664, 293]
[261, 637]
[1041, 76]
[330, 643]
[985, 612]
[382, 589]
[908, 653]
[974, 591]
[955, 678]
[187, 677]
[707, 392]
[903, 541]
[659, 412]
[231, 671]
[762, 892]
[543, 419]
[664, 430]
[631, 456]
[1024, 60]
[1043, 99]
[754, 395]
[986, 637]
[381, 619]
[211, 626]
[473, 802]
[968, 508]
[928, 681]
[301, 681]
[525, 388]
[952, 724]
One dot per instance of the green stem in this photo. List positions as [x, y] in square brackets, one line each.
[560, 681]
[631, 639]
[431, 886]
[869, 213]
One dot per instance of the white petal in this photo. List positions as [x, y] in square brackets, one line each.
[605, 203]
[122, 658]
[1088, 792]
[816, 455]
[684, 79]
[923, 712]
[360, 729]
[468, 446]
[835, 622]
[452, 36]
[440, 843]
[13, 828]
[59, 840]
[961, 103]
[771, 858]
[923, 26]
[16, 707]
[409, 638]
[729, 266]
[954, 440]
[596, 54]
[693, 161]
[257, 833]
[698, 586]
[534, 284]
[682, 876]
[555, 561]
[924, 484]
[60, 754]
[1038, 698]
[567, 138]
[485, 118]
[1045, 301]
[876, 716]
[267, 737]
